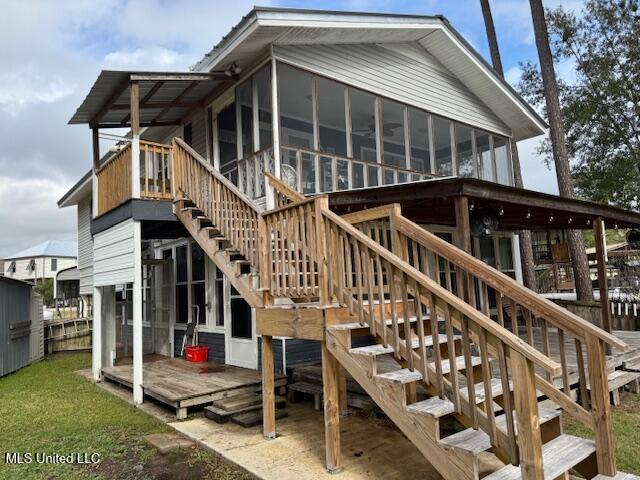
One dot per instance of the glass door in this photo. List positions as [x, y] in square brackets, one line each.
[241, 347]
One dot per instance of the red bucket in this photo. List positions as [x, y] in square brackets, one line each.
[196, 353]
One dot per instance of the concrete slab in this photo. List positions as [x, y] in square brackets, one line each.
[168, 442]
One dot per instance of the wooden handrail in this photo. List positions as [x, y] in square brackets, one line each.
[501, 282]
[283, 189]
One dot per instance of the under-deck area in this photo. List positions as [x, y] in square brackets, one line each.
[181, 384]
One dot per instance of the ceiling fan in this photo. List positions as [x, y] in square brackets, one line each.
[369, 132]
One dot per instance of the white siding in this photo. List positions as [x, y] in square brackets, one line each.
[85, 247]
[403, 72]
[199, 133]
[113, 255]
[42, 270]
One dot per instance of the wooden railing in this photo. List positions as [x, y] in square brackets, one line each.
[114, 181]
[114, 177]
[557, 277]
[232, 212]
[538, 321]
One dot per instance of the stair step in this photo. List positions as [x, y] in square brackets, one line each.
[469, 440]
[558, 456]
[618, 476]
[496, 390]
[460, 365]
[544, 415]
[371, 350]
[400, 376]
[434, 407]
[428, 340]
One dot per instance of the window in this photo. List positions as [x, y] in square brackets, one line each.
[503, 166]
[483, 153]
[262, 81]
[12, 268]
[296, 107]
[442, 145]
[54, 264]
[245, 110]
[188, 134]
[363, 126]
[219, 297]
[227, 143]
[419, 137]
[393, 133]
[464, 151]
[31, 266]
[182, 284]
[190, 279]
[331, 117]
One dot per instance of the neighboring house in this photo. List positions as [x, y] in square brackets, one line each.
[42, 261]
[180, 225]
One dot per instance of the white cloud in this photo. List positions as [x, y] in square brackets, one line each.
[27, 86]
[513, 75]
[145, 59]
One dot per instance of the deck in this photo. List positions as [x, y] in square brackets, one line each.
[181, 384]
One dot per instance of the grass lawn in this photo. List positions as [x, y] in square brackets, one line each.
[626, 425]
[46, 407]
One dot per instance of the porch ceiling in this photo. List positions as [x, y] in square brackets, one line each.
[165, 97]
[432, 201]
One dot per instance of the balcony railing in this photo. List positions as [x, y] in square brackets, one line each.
[114, 177]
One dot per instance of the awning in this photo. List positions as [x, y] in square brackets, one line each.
[165, 97]
[432, 201]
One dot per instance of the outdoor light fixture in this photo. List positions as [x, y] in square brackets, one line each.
[232, 70]
[570, 220]
[501, 213]
[551, 218]
[528, 214]
[472, 206]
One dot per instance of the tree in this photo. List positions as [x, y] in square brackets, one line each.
[601, 104]
[526, 250]
[559, 147]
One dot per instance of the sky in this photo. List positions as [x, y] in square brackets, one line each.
[53, 51]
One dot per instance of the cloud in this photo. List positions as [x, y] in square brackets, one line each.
[28, 86]
[513, 75]
[145, 59]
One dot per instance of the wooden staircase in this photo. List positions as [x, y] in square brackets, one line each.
[455, 326]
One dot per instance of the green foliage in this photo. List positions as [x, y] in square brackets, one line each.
[600, 99]
[45, 288]
[612, 237]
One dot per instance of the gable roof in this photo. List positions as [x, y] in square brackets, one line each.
[50, 248]
[264, 26]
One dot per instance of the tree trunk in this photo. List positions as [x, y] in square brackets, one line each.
[559, 147]
[526, 250]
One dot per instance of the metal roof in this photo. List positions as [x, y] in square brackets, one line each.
[165, 97]
[50, 248]
[68, 274]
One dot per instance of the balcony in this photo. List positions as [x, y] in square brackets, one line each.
[114, 178]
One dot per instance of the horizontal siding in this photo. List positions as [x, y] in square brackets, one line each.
[215, 342]
[43, 267]
[85, 247]
[199, 133]
[402, 72]
[113, 255]
[297, 351]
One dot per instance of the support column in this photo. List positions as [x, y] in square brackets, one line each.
[96, 167]
[268, 386]
[343, 395]
[135, 139]
[96, 347]
[330, 384]
[275, 125]
[603, 286]
[463, 226]
[137, 314]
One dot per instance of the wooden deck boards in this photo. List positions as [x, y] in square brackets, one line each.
[182, 384]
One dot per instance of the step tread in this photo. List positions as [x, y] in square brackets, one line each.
[619, 378]
[618, 476]
[460, 365]
[371, 350]
[435, 407]
[496, 390]
[469, 440]
[428, 340]
[306, 387]
[558, 456]
[544, 415]
[400, 376]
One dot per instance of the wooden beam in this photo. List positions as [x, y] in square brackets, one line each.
[176, 77]
[601, 258]
[189, 87]
[268, 393]
[135, 108]
[331, 387]
[143, 105]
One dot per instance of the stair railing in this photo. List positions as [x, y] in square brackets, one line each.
[232, 212]
[534, 318]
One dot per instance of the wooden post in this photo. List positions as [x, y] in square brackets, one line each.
[96, 335]
[96, 167]
[263, 262]
[526, 406]
[601, 257]
[322, 203]
[268, 386]
[135, 139]
[600, 407]
[463, 224]
[330, 384]
[344, 407]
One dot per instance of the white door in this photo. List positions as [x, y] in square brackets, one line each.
[241, 345]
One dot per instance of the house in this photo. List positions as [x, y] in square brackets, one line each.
[41, 261]
[338, 186]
